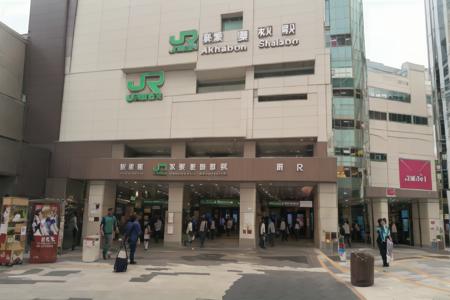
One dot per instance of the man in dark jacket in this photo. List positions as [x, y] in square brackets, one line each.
[132, 233]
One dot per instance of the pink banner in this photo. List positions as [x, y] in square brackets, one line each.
[415, 174]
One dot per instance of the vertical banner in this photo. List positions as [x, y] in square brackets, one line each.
[45, 227]
[13, 230]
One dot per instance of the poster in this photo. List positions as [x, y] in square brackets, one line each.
[415, 174]
[13, 230]
[248, 226]
[45, 228]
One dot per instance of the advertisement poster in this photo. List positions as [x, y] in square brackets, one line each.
[415, 174]
[45, 227]
[13, 230]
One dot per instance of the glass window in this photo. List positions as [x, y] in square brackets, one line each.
[389, 95]
[345, 124]
[400, 118]
[286, 97]
[378, 156]
[355, 152]
[232, 22]
[420, 120]
[377, 115]
[339, 40]
[285, 69]
[223, 86]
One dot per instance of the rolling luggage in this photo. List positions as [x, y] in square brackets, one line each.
[121, 263]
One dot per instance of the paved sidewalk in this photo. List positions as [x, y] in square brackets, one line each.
[414, 274]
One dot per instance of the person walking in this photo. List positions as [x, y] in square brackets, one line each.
[202, 231]
[75, 230]
[262, 234]
[283, 230]
[132, 233]
[147, 235]
[394, 232]
[297, 230]
[229, 226]
[212, 229]
[347, 234]
[357, 232]
[158, 226]
[190, 233]
[383, 236]
[272, 233]
[108, 226]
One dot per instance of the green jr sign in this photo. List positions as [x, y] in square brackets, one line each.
[154, 81]
[160, 169]
[187, 42]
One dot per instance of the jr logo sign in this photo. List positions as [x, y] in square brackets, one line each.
[187, 42]
[154, 81]
[160, 169]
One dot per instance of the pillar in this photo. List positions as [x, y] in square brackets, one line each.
[249, 149]
[326, 212]
[378, 209]
[427, 223]
[174, 219]
[101, 196]
[248, 229]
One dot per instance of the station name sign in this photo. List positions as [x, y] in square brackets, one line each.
[188, 40]
[191, 169]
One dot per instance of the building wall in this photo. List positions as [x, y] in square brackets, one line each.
[12, 57]
[113, 43]
[399, 140]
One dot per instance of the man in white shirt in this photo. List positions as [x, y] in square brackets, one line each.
[283, 230]
[158, 226]
[271, 233]
[262, 234]
[347, 232]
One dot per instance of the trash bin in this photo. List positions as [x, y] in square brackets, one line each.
[91, 248]
[361, 269]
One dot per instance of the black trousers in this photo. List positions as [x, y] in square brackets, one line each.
[382, 246]
[347, 239]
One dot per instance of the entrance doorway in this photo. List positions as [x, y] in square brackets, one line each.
[292, 204]
[400, 214]
[219, 204]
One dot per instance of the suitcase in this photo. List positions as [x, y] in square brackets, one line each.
[121, 263]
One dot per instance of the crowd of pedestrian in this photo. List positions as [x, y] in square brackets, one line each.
[269, 231]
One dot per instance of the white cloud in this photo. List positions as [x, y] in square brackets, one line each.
[395, 31]
[15, 14]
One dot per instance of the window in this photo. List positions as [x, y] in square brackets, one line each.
[377, 115]
[232, 22]
[340, 40]
[420, 120]
[389, 95]
[400, 118]
[287, 97]
[349, 152]
[220, 86]
[348, 172]
[343, 92]
[285, 69]
[429, 99]
[378, 156]
[346, 124]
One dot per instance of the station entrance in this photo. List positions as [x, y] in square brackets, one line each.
[291, 204]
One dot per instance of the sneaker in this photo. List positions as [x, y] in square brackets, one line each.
[132, 262]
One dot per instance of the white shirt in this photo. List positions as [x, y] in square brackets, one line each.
[346, 228]
[271, 227]
[189, 228]
[394, 228]
[203, 226]
[262, 230]
[283, 225]
[213, 225]
[158, 225]
[230, 224]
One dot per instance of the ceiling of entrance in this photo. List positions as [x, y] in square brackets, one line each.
[289, 192]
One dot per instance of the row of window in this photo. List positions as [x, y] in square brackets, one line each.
[346, 124]
[400, 118]
[389, 95]
[378, 156]
[349, 152]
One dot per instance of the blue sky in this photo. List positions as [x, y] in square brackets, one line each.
[395, 29]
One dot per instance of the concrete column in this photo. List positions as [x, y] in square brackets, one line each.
[101, 196]
[178, 150]
[248, 227]
[118, 150]
[326, 211]
[378, 209]
[250, 149]
[426, 221]
[174, 231]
